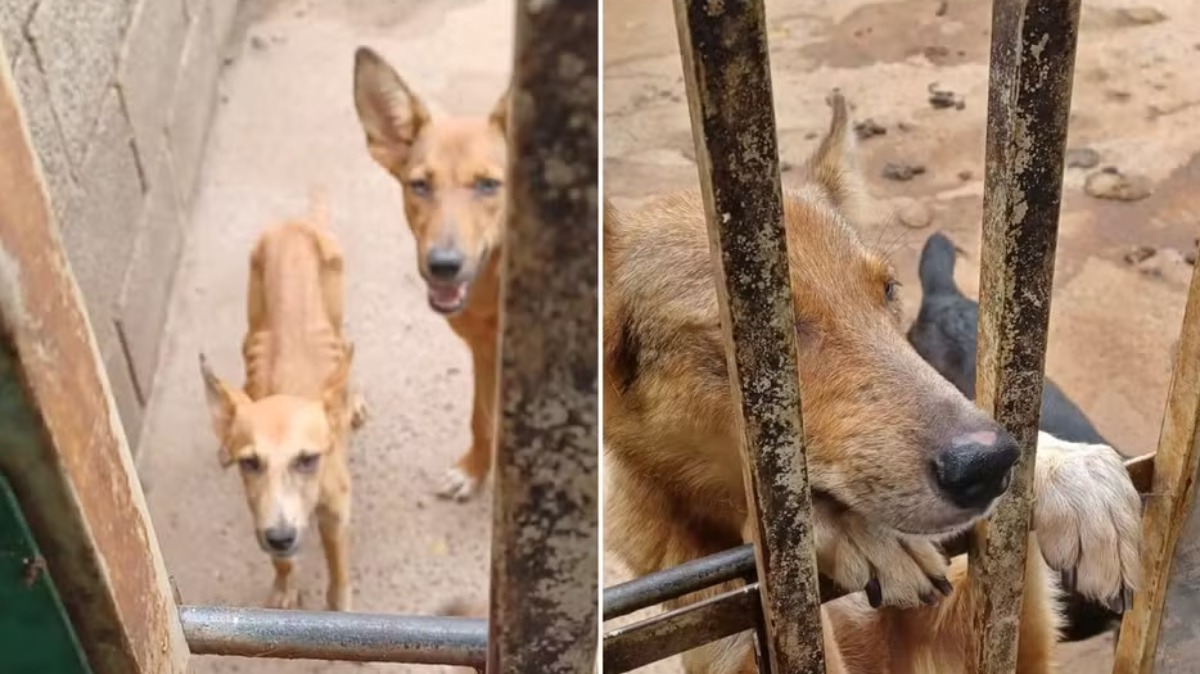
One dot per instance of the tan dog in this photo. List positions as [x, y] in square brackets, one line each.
[452, 172]
[898, 458]
[287, 431]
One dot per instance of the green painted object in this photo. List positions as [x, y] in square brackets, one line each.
[36, 636]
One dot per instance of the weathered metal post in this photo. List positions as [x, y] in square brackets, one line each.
[1162, 627]
[1029, 101]
[545, 569]
[62, 448]
[728, 77]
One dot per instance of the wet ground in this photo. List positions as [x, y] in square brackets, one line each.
[1135, 108]
[286, 121]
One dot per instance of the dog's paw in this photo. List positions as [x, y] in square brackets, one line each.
[1087, 517]
[359, 412]
[284, 598]
[457, 485]
[893, 569]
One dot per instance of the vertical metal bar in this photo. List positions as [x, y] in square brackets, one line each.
[545, 570]
[1171, 544]
[728, 79]
[61, 443]
[1029, 99]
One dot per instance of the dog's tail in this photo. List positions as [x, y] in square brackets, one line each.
[937, 266]
[318, 207]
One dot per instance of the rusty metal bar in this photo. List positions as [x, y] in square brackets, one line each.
[1163, 627]
[683, 629]
[655, 588]
[329, 635]
[545, 568]
[728, 80]
[62, 447]
[1029, 100]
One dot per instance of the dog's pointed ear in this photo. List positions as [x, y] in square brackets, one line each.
[833, 167]
[390, 113]
[499, 115]
[337, 389]
[223, 402]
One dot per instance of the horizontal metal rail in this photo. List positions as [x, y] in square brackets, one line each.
[683, 629]
[329, 635]
[655, 588]
[635, 645]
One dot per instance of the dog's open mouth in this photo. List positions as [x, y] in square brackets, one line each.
[447, 299]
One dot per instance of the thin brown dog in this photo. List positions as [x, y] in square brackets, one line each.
[288, 429]
[898, 459]
[451, 170]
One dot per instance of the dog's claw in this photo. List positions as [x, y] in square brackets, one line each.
[874, 593]
[929, 598]
[1068, 580]
[1116, 603]
[942, 585]
[458, 486]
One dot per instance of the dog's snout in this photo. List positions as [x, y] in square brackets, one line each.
[281, 538]
[974, 469]
[445, 263]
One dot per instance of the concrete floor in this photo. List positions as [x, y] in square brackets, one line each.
[286, 122]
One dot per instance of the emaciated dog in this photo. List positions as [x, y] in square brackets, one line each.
[898, 459]
[451, 171]
[288, 429]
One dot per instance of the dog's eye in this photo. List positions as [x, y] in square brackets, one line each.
[420, 187]
[486, 186]
[250, 464]
[306, 463]
[890, 289]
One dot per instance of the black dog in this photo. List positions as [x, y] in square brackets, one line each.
[945, 334]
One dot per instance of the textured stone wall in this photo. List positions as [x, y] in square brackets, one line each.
[118, 95]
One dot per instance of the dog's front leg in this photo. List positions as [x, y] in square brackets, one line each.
[283, 595]
[465, 478]
[336, 542]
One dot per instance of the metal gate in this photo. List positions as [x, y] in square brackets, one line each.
[87, 574]
[728, 82]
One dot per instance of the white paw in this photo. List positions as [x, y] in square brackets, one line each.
[894, 570]
[458, 486]
[1087, 516]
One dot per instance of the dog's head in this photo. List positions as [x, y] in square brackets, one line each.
[889, 437]
[280, 444]
[945, 330]
[452, 173]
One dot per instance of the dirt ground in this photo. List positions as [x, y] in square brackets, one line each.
[286, 121]
[1134, 106]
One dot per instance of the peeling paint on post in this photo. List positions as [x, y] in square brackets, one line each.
[61, 444]
[545, 569]
[728, 76]
[1162, 628]
[1029, 100]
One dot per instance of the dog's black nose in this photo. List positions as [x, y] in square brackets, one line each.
[280, 539]
[445, 263]
[975, 468]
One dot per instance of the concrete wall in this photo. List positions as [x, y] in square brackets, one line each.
[118, 95]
